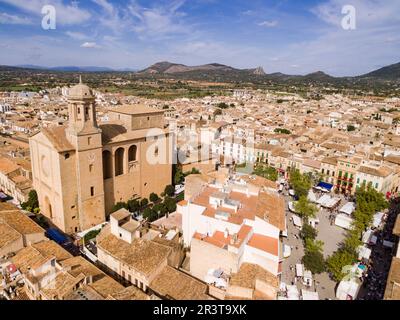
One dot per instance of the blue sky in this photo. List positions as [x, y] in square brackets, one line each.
[289, 36]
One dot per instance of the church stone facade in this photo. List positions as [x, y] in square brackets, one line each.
[81, 170]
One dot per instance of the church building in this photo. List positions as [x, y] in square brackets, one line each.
[81, 170]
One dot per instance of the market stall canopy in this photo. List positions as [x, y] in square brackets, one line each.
[293, 293]
[348, 208]
[343, 221]
[297, 221]
[299, 270]
[348, 290]
[325, 185]
[311, 196]
[377, 219]
[363, 252]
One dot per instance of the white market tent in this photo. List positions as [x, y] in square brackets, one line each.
[366, 237]
[307, 278]
[348, 208]
[363, 252]
[377, 219]
[299, 270]
[311, 196]
[309, 295]
[348, 290]
[343, 221]
[293, 293]
[297, 221]
[291, 206]
[287, 251]
[331, 203]
[322, 200]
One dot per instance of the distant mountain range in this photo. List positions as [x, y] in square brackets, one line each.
[391, 72]
[220, 72]
[175, 68]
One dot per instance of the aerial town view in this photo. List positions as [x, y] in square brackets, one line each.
[236, 172]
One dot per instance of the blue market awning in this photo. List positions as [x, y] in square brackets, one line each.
[325, 185]
[56, 235]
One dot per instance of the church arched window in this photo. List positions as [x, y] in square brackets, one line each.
[107, 165]
[132, 152]
[119, 161]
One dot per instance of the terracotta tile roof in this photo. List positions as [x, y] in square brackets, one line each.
[248, 274]
[136, 109]
[7, 166]
[271, 208]
[7, 235]
[20, 222]
[267, 206]
[177, 285]
[129, 293]
[49, 248]
[378, 172]
[58, 138]
[142, 255]
[265, 243]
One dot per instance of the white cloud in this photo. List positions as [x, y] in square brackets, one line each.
[66, 14]
[6, 18]
[269, 24]
[76, 35]
[90, 45]
[369, 13]
[159, 20]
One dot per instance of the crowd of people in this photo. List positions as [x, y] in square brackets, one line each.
[374, 281]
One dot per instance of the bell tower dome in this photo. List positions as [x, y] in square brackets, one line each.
[81, 110]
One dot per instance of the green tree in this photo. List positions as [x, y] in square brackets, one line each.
[308, 232]
[179, 177]
[32, 203]
[169, 190]
[150, 214]
[161, 209]
[337, 261]
[133, 205]
[144, 202]
[91, 234]
[305, 208]
[350, 128]
[119, 205]
[314, 261]
[153, 197]
[266, 172]
[301, 183]
[170, 204]
[222, 105]
[282, 130]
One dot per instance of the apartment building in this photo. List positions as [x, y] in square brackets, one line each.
[230, 221]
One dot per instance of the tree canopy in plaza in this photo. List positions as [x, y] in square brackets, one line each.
[266, 172]
[305, 208]
[301, 183]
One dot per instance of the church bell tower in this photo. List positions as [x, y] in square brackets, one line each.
[84, 133]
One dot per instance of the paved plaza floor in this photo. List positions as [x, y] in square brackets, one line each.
[331, 235]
